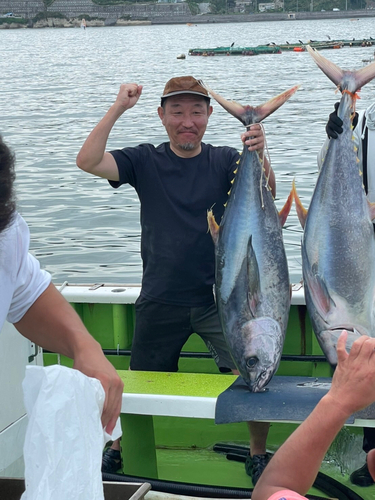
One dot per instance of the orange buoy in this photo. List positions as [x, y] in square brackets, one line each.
[299, 49]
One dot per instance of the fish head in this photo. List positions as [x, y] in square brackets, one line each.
[328, 340]
[263, 341]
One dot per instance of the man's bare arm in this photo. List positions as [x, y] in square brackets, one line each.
[92, 157]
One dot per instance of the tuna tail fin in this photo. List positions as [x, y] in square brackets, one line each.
[345, 80]
[249, 114]
[213, 226]
[301, 210]
[284, 212]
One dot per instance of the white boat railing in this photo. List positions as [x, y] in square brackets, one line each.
[127, 294]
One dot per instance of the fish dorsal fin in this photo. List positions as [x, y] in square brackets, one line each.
[301, 210]
[284, 212]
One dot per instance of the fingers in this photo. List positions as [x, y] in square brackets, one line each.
[254, 138]
[129, 94]
[371, 463]
[353, 382]
[134, 90]
[334, 125]
[363, 348]
[112, 406]
[342, 354]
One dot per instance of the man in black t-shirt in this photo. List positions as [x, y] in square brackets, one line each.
[176, 182]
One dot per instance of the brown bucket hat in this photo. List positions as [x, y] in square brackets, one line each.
[184, 85]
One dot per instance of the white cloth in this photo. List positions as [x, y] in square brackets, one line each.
[21, 279]
[64, 438]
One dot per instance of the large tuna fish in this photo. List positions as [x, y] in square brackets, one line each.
[338, 248]
[252, 281]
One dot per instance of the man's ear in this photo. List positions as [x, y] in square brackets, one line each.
[161, 113]
[210, 111]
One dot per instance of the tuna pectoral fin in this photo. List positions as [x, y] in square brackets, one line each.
[316, 287]
[336, 74]
[301, 210]
[253, 279]
[284, 212]
[249, 114]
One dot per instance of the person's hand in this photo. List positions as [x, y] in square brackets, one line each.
[371, 463]
[334, 124]
[353, 383]
[254, 138]
[128, 95]
[94, 364]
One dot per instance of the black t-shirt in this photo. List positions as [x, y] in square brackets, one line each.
[175, 193]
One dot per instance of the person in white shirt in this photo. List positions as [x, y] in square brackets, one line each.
[364, 140]
[31, 302]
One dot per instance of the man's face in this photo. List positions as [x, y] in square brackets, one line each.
[185, 119]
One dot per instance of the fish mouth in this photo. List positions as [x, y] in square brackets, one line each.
[351, 329]
[259, 383]
[328, 339]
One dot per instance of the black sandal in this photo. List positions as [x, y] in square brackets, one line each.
[111, 461]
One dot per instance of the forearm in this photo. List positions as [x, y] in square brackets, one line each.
[53, 324]
[296, 464]
[93, 149]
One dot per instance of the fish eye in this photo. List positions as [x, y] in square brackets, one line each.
[251, 362]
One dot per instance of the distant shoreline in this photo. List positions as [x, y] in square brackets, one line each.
[194, 20]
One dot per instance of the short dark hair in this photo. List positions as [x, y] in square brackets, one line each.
[7, 194]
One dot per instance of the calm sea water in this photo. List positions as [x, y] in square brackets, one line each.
[56, 84]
